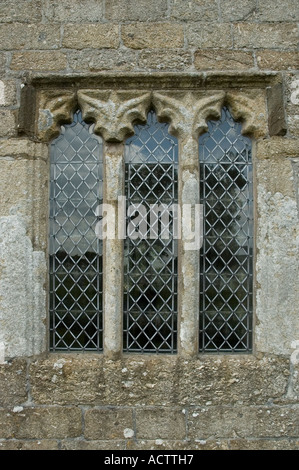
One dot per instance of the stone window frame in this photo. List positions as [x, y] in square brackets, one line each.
[115, 103]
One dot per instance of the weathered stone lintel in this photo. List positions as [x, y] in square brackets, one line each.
[53, 98]
[115, 112]
[156, 81]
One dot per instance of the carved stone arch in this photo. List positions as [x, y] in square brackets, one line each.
[188, 112]
[56, 107]
[250, 109]
[114, 112]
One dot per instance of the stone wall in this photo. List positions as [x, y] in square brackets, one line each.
[54, 54]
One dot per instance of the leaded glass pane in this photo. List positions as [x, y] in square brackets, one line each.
[150, 281]
[227, 251]
[75, 251]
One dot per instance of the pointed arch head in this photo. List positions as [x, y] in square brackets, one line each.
[114, 112]
[250, 109]
[188, 112]
[56, 107]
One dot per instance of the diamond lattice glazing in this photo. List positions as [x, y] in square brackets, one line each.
[75, 251]
[150, 284]
[227, 251]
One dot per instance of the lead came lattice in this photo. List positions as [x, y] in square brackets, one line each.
[75, 251]
[150, 304]
[227, 251]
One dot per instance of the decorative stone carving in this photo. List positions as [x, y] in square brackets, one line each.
[249, 108]
[189, 111]
[114, 112]
[55, 108]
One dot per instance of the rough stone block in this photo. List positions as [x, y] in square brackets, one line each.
[25, 294]
[157, 423]
[172, 60]
[117, 60]
[64, 380]
[40, 423]
[227, 379]
[140, 381]
[277, 147]
[108, 424]
[195, 10]
[276, 117]
[278, 11]
[39, 61]
[263, 444]
[40, 444]
[8, 93]
[277, 271]
[278, 60]
[13, 382]
[74, 11]
[128, 10]
[223, 60]
[7, 123]
[243, 10]
[30, 187]
[292, 102]
[94, 36]
[156, 35]
[23, 11]
[247, 422]
[77, 444]
[163, 445]
[209, 35]
[29, 36]
[266, 35]
[104, 382]
[22, 148]
[74, 379]
[2, 62]
[275, 175]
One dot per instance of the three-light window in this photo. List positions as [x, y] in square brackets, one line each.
[151, 274]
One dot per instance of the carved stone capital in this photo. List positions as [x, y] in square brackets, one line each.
[114, 112]
[56, 107]
[250, 109]
[188, 112]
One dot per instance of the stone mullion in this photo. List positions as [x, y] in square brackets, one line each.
[113, 250]
[188, 258]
